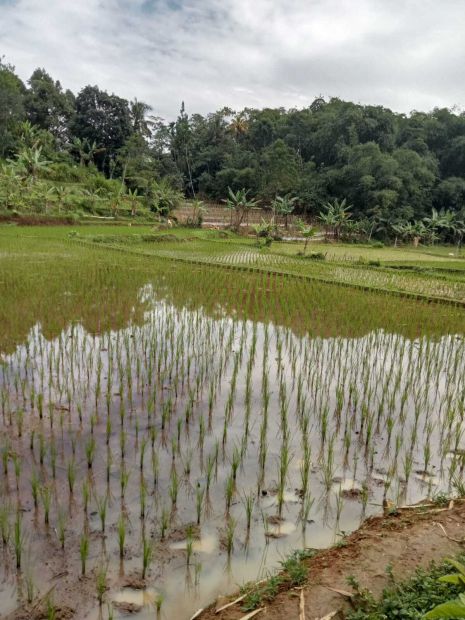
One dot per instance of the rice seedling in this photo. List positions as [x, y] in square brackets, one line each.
[147, 555]
[189, 545]
[18, 539]
[234, 381]
[90, 451]
[102, 505]
[199, 495]
[5, 523]
[46, 496]
[230, 531]
[84, 551]
[71, 473]
[248, 502]
[159, 599]
[229, 491]
[164, 522]
[17, 468]
[85, 493]
[30, 585]
[143, 498]
[121, 530]
[124, 479]
[61, 527]
[174, 488]
[101, 583]
[50, 608]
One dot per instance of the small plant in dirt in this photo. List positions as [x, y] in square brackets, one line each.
[51, 610]
[102, 505]
[121, 529]
[294, 569]
[264, 592]
[18, 540]
[61, 526]
[147, 555]
[158, 603]
[101, 584]
[84, 551]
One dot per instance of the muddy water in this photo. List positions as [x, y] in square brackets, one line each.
[381, 415]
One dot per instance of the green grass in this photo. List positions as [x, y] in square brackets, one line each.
[415, 271]
[46, 276]
[445, 282]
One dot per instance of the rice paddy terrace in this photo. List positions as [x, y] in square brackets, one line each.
[180, 410]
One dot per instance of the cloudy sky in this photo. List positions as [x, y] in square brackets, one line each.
[405, 54]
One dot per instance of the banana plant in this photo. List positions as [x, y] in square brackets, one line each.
[454, 608]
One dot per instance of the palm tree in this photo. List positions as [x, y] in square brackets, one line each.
[283, 206]
[163, 197]
[240, 205]
[8, 184]
[93, 195]
[86, 150]
[61, 192]
[133, 199]
[411, 231]
[457, 230]
[336, 217]
[31, 162]
[198, 210]
[264, 231]
[239, 125]
[139, 111]
[437, 221]
[29, 135]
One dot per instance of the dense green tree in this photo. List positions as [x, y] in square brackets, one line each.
[280, 172]
[12, 92]
[102, 119]
[450, 194]
[393, 169]
[48, 106]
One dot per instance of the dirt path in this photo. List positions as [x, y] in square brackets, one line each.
[411, 538]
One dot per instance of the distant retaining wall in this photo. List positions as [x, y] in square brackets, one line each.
[216, 214]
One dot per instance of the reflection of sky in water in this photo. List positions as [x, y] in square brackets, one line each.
[345, 390]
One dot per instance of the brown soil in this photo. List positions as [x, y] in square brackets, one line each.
[412, 537]
[405, 540]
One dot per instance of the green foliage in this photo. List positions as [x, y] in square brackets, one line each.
[162, 198]
[411, 599]
[451, 609]
[392, 169]
[264, 231]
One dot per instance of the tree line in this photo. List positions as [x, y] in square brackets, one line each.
[398, 174]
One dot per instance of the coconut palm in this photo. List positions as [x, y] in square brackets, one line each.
[139, 111]
[239, 125]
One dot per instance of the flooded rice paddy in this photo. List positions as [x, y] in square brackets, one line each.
[173, 432]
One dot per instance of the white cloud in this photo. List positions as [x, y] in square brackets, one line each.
[402, 54]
